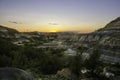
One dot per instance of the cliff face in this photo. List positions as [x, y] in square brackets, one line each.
[106, 39]
[109, 35]
[110, 39]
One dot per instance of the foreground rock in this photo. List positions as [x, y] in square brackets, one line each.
[14, 74]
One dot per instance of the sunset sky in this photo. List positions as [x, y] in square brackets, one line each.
[58, 15]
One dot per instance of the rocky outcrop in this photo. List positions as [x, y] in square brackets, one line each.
[66, 74]
[113, 25]
[14, 74]
[106, 39]
[109, 35]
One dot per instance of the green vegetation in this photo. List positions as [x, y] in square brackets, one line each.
[49, 61]
[25, 57]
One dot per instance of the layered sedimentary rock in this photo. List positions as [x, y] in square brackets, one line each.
[106, 39]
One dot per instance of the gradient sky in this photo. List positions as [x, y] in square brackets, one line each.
[58, 15]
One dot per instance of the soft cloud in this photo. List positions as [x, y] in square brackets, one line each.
[53, 23]
[14, 22]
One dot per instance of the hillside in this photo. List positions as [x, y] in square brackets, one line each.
[106, 39]
[6, 29]
[7, 32]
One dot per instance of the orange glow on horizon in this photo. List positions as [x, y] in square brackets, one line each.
[48, 29]
[52, 30]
